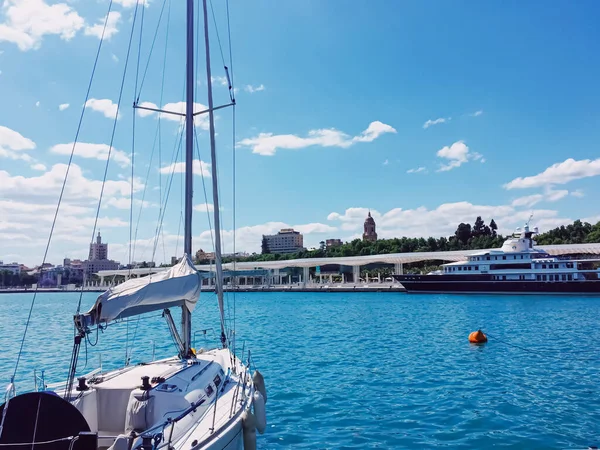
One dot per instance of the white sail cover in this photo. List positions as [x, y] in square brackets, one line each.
[178, 286]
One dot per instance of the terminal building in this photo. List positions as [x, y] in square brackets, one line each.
[285, 241]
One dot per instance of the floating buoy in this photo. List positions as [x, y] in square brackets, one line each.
[477, 337]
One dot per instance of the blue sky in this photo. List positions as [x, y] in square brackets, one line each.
[426, 113]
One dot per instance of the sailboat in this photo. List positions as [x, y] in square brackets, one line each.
[198, 400]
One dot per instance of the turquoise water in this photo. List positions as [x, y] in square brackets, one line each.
[374, 370]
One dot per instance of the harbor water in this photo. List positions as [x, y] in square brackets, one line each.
[367, 370]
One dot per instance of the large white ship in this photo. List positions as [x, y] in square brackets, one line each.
[517, 267]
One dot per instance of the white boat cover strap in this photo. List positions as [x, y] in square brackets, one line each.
[178, 286]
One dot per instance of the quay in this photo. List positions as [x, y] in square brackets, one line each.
[307, 274]
[374, 287]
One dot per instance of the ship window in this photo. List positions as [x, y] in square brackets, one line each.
[209, 390]
[504, 277]
[569, 277]
[543, 266]
[469, 267]
[569, 265]
[476, 267]
[504, 257]
[521, 256]
[564, 277]
[488, 258]
[514, 256]
[544, 277]
[217, 380]
[539, 278]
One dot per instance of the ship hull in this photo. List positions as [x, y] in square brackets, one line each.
[441, 284]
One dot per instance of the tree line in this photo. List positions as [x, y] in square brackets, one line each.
[467, 236]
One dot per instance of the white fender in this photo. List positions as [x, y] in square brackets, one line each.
[258, 401]
[249, 430]
[259, 384]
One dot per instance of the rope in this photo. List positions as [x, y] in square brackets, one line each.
[75, 355]
[212, 239]
[162, 86]
[137, 73]
[217, 33]
[38, 442]
[152, 46]
[163, 209]
[112, 137]
[62, 190]
[144, 191]
[233, 143]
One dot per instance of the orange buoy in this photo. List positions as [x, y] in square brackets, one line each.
[477, 337]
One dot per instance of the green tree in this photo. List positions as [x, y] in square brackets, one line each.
[493, 227]
[463, 232]
[478, 227]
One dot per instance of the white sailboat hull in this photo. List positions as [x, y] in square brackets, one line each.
[197, 403]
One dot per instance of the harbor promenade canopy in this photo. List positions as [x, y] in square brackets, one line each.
[390, 258]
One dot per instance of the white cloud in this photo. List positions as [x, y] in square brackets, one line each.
[114, 57]
[578, 193]
[63, 106]
[549, 195]
[47, 186]
[528, 200]
[441, 221]
[128, 3]
[39, 167]
[104, 105]
[266, 144]
[219, 80]
[200, 121]
[417, 170]
[125, 203]
[37, 104]
[145, 112]
[93, 151]
[436, 121]
[386, 162]
[28, 21]
[559, 173]
[199, 167]
[457, 154]
[111, 26]
[373, 131]
[476, 113]
[13, 144]
[204, 207]
[552, 195]
[253, 89]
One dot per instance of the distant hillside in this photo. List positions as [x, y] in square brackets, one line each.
[577, 233]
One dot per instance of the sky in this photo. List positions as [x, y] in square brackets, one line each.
[426, 114]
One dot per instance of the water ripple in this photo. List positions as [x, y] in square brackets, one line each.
[385, 371]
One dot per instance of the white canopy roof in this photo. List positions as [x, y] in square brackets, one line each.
[178, 286]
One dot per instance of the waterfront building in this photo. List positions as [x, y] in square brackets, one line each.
[98, 250]
[369, 229]
[98, 258]
[14, 268]
[201, 255]
[287, 240]
[333, 243]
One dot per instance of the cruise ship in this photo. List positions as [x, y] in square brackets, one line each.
[517, 267]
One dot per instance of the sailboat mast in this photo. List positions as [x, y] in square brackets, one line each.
[215, 189]
[186, 317]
